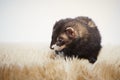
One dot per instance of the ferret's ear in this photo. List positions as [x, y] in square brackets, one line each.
[70, 32]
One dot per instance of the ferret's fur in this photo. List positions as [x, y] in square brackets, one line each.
[78, 37]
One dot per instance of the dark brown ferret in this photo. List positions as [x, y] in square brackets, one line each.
[78, 37]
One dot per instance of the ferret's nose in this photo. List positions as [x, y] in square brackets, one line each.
[51, 47]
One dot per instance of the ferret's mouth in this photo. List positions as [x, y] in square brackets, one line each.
[57, 48]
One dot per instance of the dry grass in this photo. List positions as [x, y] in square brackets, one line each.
[37, 62]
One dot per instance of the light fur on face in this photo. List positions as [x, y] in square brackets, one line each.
[58, 48]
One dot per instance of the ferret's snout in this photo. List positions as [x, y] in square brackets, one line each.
[51, 47]
[51, 44]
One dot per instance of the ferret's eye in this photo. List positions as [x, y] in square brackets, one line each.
[60, 41]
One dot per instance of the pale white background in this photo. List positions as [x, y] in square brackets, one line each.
[32, 20]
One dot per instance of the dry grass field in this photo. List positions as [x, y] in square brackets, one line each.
[38, 62]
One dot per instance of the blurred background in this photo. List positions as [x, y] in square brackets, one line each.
[32, 20]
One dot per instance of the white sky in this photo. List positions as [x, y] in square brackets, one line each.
[32, 20]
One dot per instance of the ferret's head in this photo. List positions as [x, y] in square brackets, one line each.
[65, 32]
[60, 40]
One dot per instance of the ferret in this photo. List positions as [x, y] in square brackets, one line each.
[76, 37]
